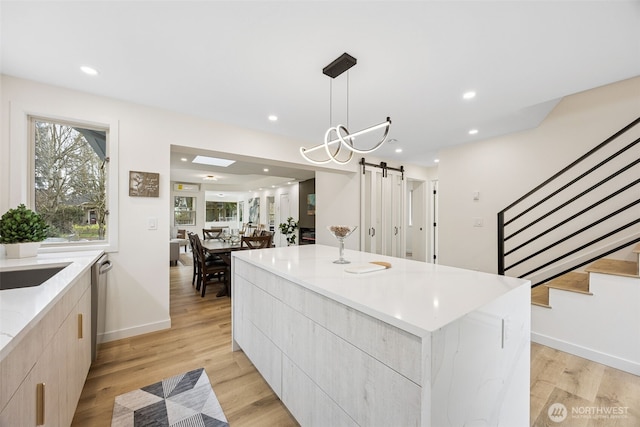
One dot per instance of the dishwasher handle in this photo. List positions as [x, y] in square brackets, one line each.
[105, 266]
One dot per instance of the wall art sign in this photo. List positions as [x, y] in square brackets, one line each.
[144, 184]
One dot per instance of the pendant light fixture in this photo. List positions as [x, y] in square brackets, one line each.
[337, 139]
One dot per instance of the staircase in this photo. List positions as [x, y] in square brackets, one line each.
[564, 236]
[581, 313]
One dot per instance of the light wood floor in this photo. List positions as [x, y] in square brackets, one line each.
[200, 336]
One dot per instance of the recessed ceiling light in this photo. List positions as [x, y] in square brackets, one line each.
[212, 161]
[273, 118]
[289, 183]
[89, 70]
[265, 169]
[469, 95]
[221, 194]
[184, 159]
[398, 150]
[473, 131]
[436, 160]
[210, 178]
[273, 186]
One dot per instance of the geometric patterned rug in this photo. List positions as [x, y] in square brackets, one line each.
[184, 400]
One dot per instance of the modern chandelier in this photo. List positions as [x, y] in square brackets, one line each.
[339, 135]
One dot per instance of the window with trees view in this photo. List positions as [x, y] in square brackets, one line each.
[222, 211]
[70, 171]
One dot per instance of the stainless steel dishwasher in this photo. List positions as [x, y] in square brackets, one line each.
[98, 288]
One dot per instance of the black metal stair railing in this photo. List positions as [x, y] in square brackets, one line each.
[586, 211]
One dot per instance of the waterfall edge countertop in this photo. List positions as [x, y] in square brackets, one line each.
[20, 308]
[414, 296]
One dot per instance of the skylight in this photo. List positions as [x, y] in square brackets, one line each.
[212, 161]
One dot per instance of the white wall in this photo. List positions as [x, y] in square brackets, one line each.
[503, 169]
[138, 292]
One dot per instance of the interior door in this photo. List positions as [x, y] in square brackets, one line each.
[397, 221]
[419, 220]
[434, 222]
[371, 211]
[382, 212]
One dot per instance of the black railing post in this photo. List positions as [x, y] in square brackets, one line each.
[501, 243]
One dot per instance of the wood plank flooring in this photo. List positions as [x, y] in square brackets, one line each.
[200, 336]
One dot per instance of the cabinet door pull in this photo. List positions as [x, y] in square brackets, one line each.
[40, 404]
[80, 330]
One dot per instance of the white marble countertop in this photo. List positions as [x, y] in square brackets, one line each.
[20, 307]
[415, 296]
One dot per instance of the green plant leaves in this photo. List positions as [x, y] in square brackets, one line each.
[22, 225]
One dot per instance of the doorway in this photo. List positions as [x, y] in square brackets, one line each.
[416, 245]
[285, 212]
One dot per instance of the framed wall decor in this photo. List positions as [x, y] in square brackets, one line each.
[311, 204]
[144, 184]
[254, 210]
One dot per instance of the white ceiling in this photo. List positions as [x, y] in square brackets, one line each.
[243, 175]
[240, 61]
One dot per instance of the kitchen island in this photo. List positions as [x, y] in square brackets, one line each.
[45, 340]
[416, 344]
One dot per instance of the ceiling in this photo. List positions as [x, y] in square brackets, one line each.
[239, 61]
[243, 175]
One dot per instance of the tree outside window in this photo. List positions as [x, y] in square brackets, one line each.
[184, 210]
[222, 211]
[70, 166]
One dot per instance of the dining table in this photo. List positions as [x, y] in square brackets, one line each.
[223, 250]
[216, 246]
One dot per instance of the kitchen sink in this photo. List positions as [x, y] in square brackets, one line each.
[13, 279]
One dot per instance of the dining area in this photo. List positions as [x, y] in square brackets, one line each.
[212, 255]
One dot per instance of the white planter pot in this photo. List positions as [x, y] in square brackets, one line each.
[22, 250]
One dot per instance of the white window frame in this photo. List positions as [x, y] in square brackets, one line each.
[22, 188]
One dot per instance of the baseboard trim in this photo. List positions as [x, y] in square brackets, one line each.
[587, 353]
[133, 331]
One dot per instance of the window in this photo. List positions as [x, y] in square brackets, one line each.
[71, 166]
[184, 210]
[222, 211]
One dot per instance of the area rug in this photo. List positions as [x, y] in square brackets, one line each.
[184, 400]
[186, 259]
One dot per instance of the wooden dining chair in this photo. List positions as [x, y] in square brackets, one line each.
[211, 269]
[256, 242]
[196, 259]
[212, 233]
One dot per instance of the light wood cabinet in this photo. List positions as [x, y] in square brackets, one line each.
[60, 347]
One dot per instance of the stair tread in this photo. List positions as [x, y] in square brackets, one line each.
[615, 267]
[573, 281]
[540, 296]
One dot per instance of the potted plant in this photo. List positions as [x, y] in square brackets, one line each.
[289, 230]
[21, 231]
